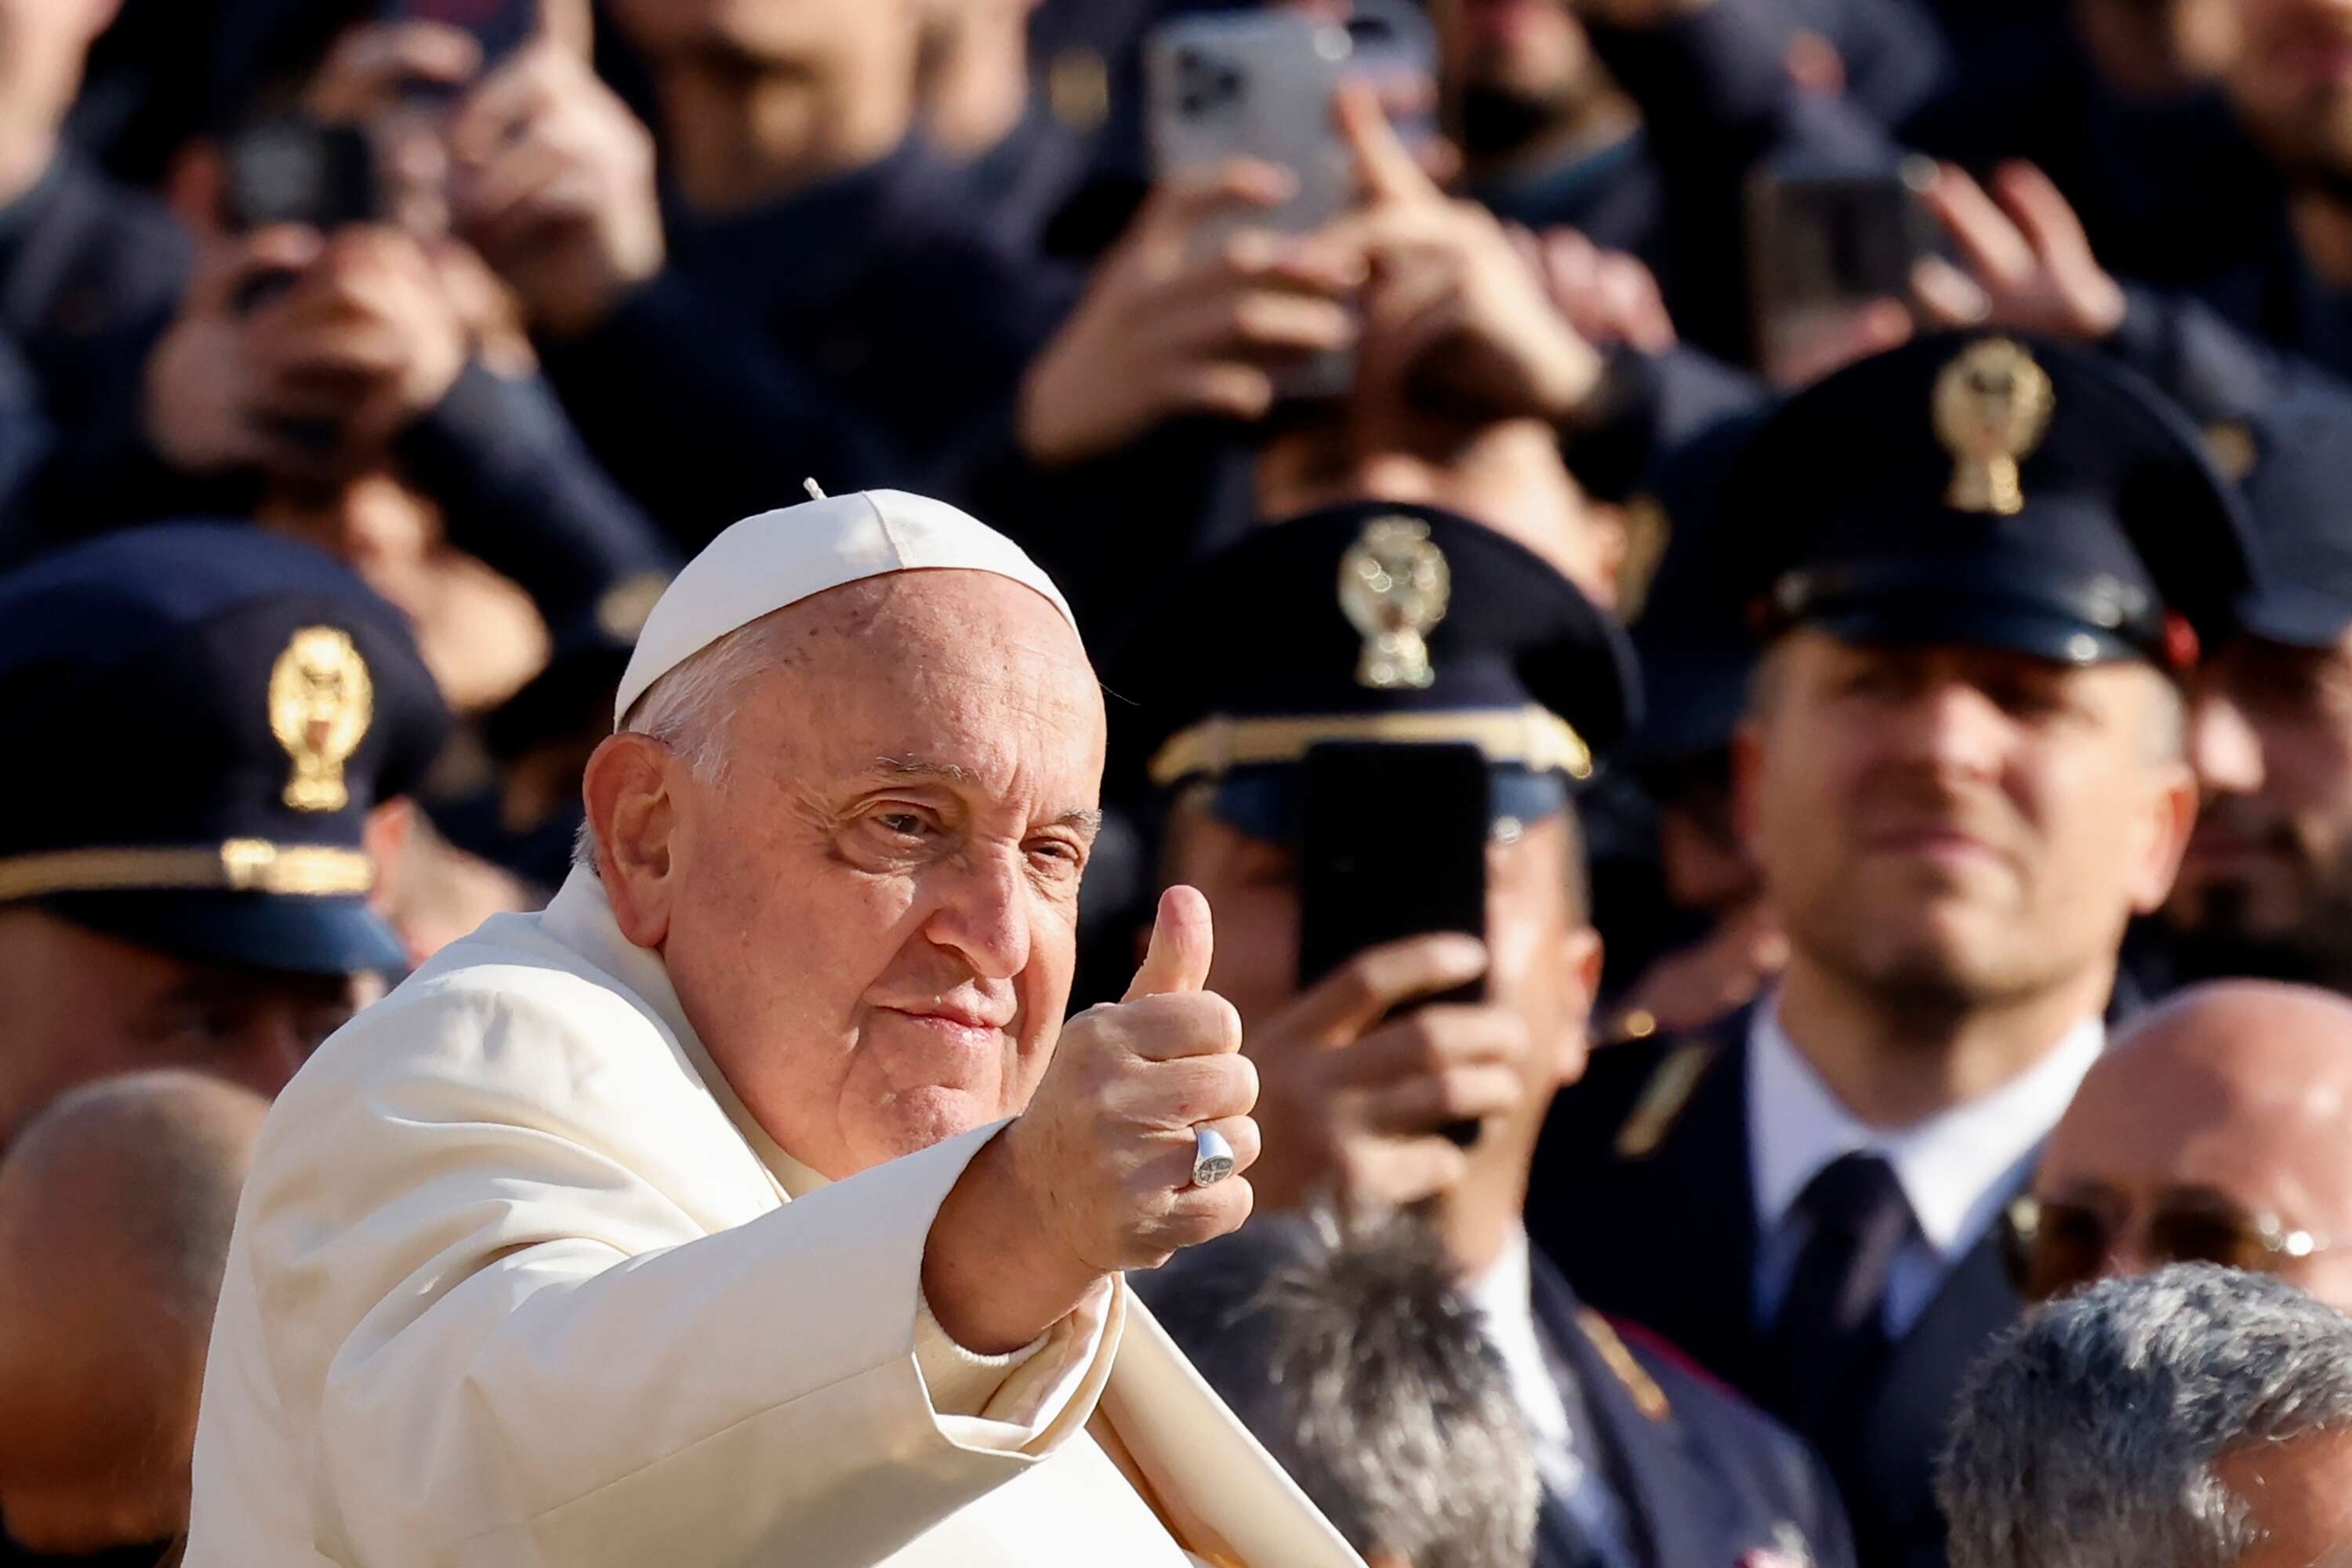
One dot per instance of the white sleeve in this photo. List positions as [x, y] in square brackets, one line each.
[495, 1341]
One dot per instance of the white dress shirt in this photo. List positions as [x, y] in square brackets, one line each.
[1504, 1294]
[1957, 1169]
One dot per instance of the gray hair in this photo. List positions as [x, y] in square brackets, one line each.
[688, 708]
[2089, 1437]
[1351, 1357]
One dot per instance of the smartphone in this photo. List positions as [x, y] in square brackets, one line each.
[1393, 845]
[499, 27]
[1825, 245]
[1256, 84]
[291, 169]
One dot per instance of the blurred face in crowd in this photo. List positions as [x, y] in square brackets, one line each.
[2213, 1129]
[1960, 825]
[819, 36]
[1539, 942]
[2291, 81]
[1521, 68]
[76, 1005]
[115, 1215]
[2298, 1494]
[2153, 47]
[758, 97]
[1509, 476]
[2272, 857]
[869, 901]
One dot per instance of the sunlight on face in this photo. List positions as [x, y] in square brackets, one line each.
[876, 920]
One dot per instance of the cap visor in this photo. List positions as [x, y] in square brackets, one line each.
[2298, 617]
[289, 934]
[1908, 622]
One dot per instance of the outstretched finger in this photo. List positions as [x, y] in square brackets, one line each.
[1989, 240]
[1385, 167]
[2042, 213]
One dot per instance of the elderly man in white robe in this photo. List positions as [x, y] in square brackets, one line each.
[753, 1204]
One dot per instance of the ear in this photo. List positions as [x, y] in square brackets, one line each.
[1579, 960]
[632, 794]
[1747, 775]
[2173, 816]
[384, 834]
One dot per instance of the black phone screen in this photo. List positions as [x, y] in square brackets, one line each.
[1394, 846]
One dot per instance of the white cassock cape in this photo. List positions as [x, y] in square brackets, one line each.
[517, 1281]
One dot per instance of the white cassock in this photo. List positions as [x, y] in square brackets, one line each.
[517, 1281]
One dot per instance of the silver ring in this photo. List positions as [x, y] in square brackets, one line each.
[1212, 1157]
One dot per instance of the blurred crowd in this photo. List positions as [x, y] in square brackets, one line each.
[509, 310]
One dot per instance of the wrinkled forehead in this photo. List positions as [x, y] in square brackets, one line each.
[966, 669]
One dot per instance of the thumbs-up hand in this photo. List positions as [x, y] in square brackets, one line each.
[1107, 1141]
[1096, 1177]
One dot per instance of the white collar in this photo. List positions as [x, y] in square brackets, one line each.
[580, 917]
[1505, 1288]
[1503, 1293]
[1952, 1167]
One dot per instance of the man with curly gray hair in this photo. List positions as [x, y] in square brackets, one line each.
[2195, 1418]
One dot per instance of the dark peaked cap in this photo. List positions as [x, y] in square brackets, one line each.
[1989, 489]
[1253, 657]
[215, 709]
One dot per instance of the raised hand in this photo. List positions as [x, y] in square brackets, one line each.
[1096, 1175]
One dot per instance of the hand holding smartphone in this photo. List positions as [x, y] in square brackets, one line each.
[1394, 846]
[1256, 85]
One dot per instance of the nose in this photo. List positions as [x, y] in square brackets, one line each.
[984, 913]
[1951, 727]
[2127, 1256]
[2223, 745]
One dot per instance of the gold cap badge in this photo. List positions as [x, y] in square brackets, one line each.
[320, 703]
[1393, 586]
[1992, 408]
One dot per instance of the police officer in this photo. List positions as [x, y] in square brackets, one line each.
[1379, 641]
[1982, 568]
[184, 876]
[2267, 886]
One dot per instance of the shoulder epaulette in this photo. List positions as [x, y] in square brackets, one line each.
[1663, 1099]
[1648, 1397]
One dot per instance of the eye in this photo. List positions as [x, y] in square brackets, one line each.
[1875, 679]
[906, 824]
[1060, 857]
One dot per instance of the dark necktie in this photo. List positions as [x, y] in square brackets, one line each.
[1829, 1341]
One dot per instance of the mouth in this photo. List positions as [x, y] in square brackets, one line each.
[963, 1023]
[1930, 841]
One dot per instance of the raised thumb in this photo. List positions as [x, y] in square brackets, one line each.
[1182, 941]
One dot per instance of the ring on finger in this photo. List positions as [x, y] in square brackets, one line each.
[1212, 1157]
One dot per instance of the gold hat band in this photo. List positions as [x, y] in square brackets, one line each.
[1534, 738]
[238, 865]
